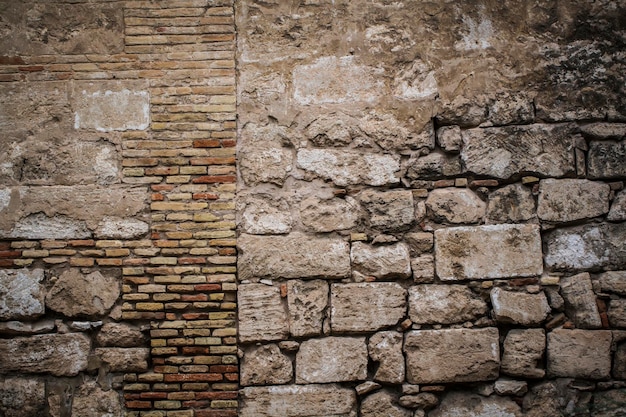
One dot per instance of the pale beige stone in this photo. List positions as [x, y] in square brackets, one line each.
[265, 365]
[523, 353]
[455, 206]
[262, 316]
[383, 262]
[582, 354]
[120, 335]
[423, 268]
[90, 400]
[519, 307]
[328, 215]
[124, 359]
[263, 159]
[331, 359]
[444, 304]
[391, 134]
[382, 403]
[386, 349]
[572, 199]
[420, 242]
[473, 405]
[264, 214]
[307, 302]
[580, 301]
[337, 129]
[389, 210]
[22, 292]
[449, 138]
[118, 228]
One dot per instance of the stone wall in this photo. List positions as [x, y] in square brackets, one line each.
[431, 208]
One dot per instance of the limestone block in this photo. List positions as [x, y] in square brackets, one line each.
[449, 138]
[486, 252]
[444, 304]
[386, 349]
[307, 301]
[572, 199]
[586, 247]
[389, 210]
[320, 215]
[264, 214]
[382, 403]
[609, 403]
[606, 160]
[57, 354]
[22, 397]
[393, 135]
[422, 401]
[452, 355]
[337, 129]
[523, 353]
[124, 359]
[423, 268]
[298, 401]
[293, 256]
[77, 295]
[506, 386]
[617, 313]
[344, 167]
[455, 205]
[584, 354]
[90, 400]
[386, 261]
[21, 294]
[580, 301]
[120, 335]
[433, 166]
[262, 155]
[473, 405]
[331, 359]
[118, 228]
[519, 307]
[265, 365]
[539, 148]
[513, 203]
[613, 281]
[618, 208]
[368, 306]
[262, 316]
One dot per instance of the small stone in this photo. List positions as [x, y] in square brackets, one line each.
[617, 213]
[367, 387]
[529, 180]
[572, 199]
[307, 302]
[389, 210]
[523, 353]
[382, 403]
[519, 308]
[124, 359]
[554, 299]
[580, 301]
[424, 400]
[22, 294]
[510, 204]
[120, 335]
[419, 242]
[613, 281]
[449, 138]
[331, 215]
[455, 206]
[606, 160]
[358, 237]
[617, 313]
[550, 280]
[511, 387]
[21, 328]
[433, 166]
[261, 314]
[289, 346]
[410, 389]
[423, 268]
[473, 405]
[263, 214]
[444, 304]
[265, 365]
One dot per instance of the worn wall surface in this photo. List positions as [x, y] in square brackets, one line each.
[431, 208]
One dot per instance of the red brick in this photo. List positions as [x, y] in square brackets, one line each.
[214, 179]
[223, 368]
[139, 404]
[231, 377]
[11, 60]
[206, 143]
[162, 187]
[208, 377]
[31, 68]
[153, 395]
[217, 395]
[10, 253]
[132, 396]
[196, 350]
[208, 287]
[195, 316]
[6, 262]
[216, 413]
[196, 404]
[227, 251]
[157, 197]
[162, 170]
[5, 245]
[229, 143]
[205, 196]
[484, 183]
[194, 297]
[444, 183]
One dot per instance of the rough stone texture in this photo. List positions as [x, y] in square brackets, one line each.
[21, 328]
[536, 149]
[262, 316]
[124, 359]
[382, 262]
[617, 313]
[21, 294]
[617, 213]
[57, 354]
[264, 214]
[519, 307]
[449, 138]
[580, 301]
[505, 386]
[331, 359]
[389, 210]
[307, 301]
[386, 349]
[523, 353]
[90, 400]
[611, 403]
[391, 134]
[423, 268]
[298, 401]
[22, 397]
[424, 400]
[613, 281]
[120, 335]
[117, 228]
[433, 166]
[420, 242]
[579, 353]
[362, 307]
[262, 157]
[329, 215]
[473, 405]
[452, 355]
[76, 295]
[511, 204]
[606, 160]
[456, 206]
[293, 256]
[619, 362]
[568, 200]
[265, 365]
[485, 252]
[444, 304]
[382, 403]
[586, 247]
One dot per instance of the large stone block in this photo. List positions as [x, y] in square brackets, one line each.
[452, 355]
[264, 215]
[388, 261]
[571, 199]
[444, 304]
[486, 252]
[298, 401]
[120, 335]
[580, 301]
[57, 354]
[22, 397]
[293, 256]
[607, 160]
[21, 294]
[473, 405]
[519, 307]
[265, 365]
[523, 353]
[262, 316]
[455, 205]
[331, 359]
[584, 354]
[389, 210]
[322, 215]
[363, 307]
[541, 149]
[262, 155]
[307, 301]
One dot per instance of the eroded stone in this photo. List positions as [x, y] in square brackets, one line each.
[265, 214]
[90, 400]
[382, 403]
[572, 199]
[263, 158]
[444, 304]
[307, 301]
[613, 281]
[473, 405]
[329, 215]
[582, 354]
[617, 213]
[265, 365]
[261, 313]
[519, 307]
[617, 313]
[580, 301]
[434, 166]
[120, 335]
[331, 359]
[386, 349]
[456, 206]
[124, 359]
[389, 210]
[22, 397]
[386, 261]
[21, 294]
[523, 353]
[511, 204]
[606, 160]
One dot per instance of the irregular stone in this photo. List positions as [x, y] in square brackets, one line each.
[344, 167]
[544, 149]
[554, 398]
[367, 387]
[410, 389]
[603, 130]
[505, 386]
[419, 242]
[580, 301]
[586, 247]
[124, 359]
[57, 354]
[455, 205]
[449, 138]
[433, 166]
[487, 252]
[336, 129]
[331, 359]
[261, 313]
[584, 354]
[423, 400]
[513, 203]
[262, 156]
[423, 269]
[523, 353]
[390, 134]
[613, 281]
[22, 397]
[21, 294]
[509, 109]
[519, 307]
[265, 365]
[90, 400]
[117, 228]
[26, 329]
[611, 403]
[572, 199]
[389, 210]
[120, 335]
[382, 403]
[293, 256]
[617, 313]
[606, 160]
[385, 301]
[473, 405]
[77, 295]
[386, 349]
[36, 226]
[297, 401]
[619, 361]
[444, 304]
[307, 301]
[617, 213]
[265, 214]
[329, 215]
[452, 355]
[386, 261]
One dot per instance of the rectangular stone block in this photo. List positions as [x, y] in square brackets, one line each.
[307, 302]
[572, 199]
[262, 316]
[607, 160]
[584, 354]
[331, 359]
[452, 355]
[488, 252]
